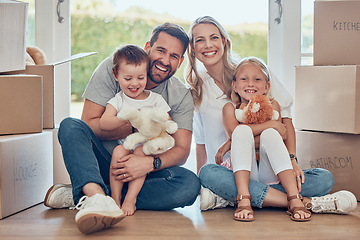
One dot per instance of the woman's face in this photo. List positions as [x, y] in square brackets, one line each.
[208, 44]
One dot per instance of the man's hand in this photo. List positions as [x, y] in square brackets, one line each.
[131, 167]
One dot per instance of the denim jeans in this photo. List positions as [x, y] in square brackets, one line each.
[88, 161]
[221, 181]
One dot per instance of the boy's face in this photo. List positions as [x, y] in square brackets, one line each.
[132, 79]
[165, 57]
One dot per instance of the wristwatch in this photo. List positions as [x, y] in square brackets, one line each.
[292, 156]
[157, 163]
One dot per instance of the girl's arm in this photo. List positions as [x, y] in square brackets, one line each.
[276, 124]
[229, 120]
[109, 121]
[224, 148]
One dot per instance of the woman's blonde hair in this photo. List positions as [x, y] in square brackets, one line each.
[235, 97]
[192, 76]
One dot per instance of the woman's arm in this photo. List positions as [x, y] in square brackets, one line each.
[201, 156]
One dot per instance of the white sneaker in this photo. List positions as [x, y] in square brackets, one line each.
[96, 213]
[209, 200]
[59, 196]
[341, 202]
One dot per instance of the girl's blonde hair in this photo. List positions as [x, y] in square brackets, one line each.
[192, 76]
[235, 97]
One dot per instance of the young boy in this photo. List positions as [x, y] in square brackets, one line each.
[130, 67]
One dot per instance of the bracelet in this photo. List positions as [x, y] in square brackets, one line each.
[292, 156]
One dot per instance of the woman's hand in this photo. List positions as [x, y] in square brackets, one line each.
[299, 174]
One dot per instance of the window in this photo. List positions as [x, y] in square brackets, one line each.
[307, 32]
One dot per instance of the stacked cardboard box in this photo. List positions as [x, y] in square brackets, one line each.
[27, 151]
[328, 95]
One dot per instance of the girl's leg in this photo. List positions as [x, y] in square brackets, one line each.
[129, 204]
[115, 185]
[242, 159]
[243, 211]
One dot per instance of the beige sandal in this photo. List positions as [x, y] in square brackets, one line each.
[296, 210]
[241, 208]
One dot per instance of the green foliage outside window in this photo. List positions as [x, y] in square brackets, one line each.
[95, 33]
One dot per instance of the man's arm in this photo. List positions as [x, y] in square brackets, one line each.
[135, 166]
[91, 115]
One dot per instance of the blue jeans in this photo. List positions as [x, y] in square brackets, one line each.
[88, 161]
[221, 181]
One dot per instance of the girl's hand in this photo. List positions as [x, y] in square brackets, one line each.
[219, 156]
[223, 149]
[280, 127]
[299, 174]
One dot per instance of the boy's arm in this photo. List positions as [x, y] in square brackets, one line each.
[91, 115]
[109, 120]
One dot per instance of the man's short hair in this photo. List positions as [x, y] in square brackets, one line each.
[173, 30]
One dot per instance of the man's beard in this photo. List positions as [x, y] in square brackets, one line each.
[151, 74]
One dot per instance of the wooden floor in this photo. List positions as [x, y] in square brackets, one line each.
[40, 222]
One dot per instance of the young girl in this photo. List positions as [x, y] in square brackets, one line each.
[252, 77]
[130, 67]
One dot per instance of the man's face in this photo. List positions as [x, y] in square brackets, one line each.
[165, 57]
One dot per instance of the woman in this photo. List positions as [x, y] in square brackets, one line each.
[209, 74]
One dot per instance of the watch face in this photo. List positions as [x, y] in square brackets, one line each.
[157, 163]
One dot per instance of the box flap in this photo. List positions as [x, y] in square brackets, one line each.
[73, 57]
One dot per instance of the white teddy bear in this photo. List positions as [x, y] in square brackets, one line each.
[153, 127]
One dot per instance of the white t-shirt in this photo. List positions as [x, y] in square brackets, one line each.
[121, 101]
[208, 125]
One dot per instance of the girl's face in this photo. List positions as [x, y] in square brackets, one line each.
[132, 79]
[208, 44]
[250, 81]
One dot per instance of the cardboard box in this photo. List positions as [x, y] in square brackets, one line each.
[337, 152]
[328, 98]
[336, 32]
[26, 171]
[60, 174]
[20, 104]
[48, 72]
[13, 22]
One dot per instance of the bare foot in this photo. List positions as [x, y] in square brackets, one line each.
[129, 207]
[117, 200]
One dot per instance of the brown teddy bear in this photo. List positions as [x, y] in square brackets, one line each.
[35, 56]
[258, 110]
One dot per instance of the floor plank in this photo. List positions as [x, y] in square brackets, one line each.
[40, 223]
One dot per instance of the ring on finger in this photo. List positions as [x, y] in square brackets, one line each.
[124, 175]
[297, 176]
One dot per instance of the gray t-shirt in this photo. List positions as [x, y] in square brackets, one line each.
[103, 86]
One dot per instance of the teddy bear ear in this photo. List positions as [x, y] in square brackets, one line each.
[36, 54]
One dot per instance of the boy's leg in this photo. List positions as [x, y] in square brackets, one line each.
[167, 189]
[115, 185]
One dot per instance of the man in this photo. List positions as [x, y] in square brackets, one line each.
[87, 150]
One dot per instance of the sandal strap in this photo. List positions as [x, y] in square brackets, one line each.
[241, 197]
[298, 209]
[241, 208]
[297, 196]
